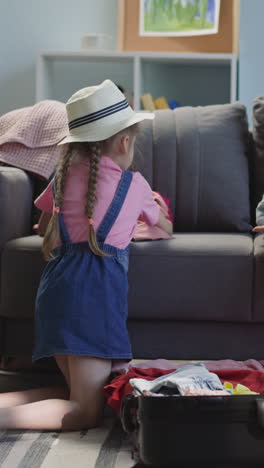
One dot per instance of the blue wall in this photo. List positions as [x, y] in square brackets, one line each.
[251, 60]
[27, 26]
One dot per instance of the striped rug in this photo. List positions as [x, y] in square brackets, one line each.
[104, 447]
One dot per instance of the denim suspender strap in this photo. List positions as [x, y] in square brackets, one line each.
[115, 206]
[64, 235]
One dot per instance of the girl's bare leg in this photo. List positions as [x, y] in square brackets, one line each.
[84, 409]
[23, 397]
[62, 363]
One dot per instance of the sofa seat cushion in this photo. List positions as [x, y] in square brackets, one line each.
[189, 277]
[192, 277]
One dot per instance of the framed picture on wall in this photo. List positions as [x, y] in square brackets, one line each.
[213, 28]
[178, 17]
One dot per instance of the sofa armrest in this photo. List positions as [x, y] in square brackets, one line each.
[16, 194]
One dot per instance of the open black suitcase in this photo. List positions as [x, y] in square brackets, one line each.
[180, 431]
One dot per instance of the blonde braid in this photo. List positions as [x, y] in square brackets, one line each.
[94, 157]
[52, 232]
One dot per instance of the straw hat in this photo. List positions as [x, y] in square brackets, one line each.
[98, 112]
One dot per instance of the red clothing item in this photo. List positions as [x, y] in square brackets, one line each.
[167, 201]
[119, 387]
[253, 379]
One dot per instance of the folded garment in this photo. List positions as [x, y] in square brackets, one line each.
[40, 162]
[120, 386]
[43, 124]
[29, 137]
[192, 392]
[204, 392]
[191, 376]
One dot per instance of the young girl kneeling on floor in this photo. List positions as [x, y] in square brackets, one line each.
[81, 304]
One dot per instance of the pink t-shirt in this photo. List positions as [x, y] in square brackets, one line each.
[139, 202]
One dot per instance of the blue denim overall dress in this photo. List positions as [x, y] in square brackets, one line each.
[81, 304]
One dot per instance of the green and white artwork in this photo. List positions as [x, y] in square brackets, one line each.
[178, 17]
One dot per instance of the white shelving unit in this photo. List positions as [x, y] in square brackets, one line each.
[191, 79]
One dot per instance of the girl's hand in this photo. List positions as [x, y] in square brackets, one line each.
[41, 227]
[258, 229]
[165, 224]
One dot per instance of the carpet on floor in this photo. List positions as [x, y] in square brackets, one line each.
[105, 447]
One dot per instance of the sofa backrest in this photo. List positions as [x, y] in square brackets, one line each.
[198, 158]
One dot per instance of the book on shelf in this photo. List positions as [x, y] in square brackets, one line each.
[147, 102]
[173, 104]
[161, 103]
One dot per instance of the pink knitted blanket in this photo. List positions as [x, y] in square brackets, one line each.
[29, 136]
[43, 124]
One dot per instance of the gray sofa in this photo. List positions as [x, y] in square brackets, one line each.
[199, 295]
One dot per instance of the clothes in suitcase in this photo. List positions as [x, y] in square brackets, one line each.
[169, 429]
